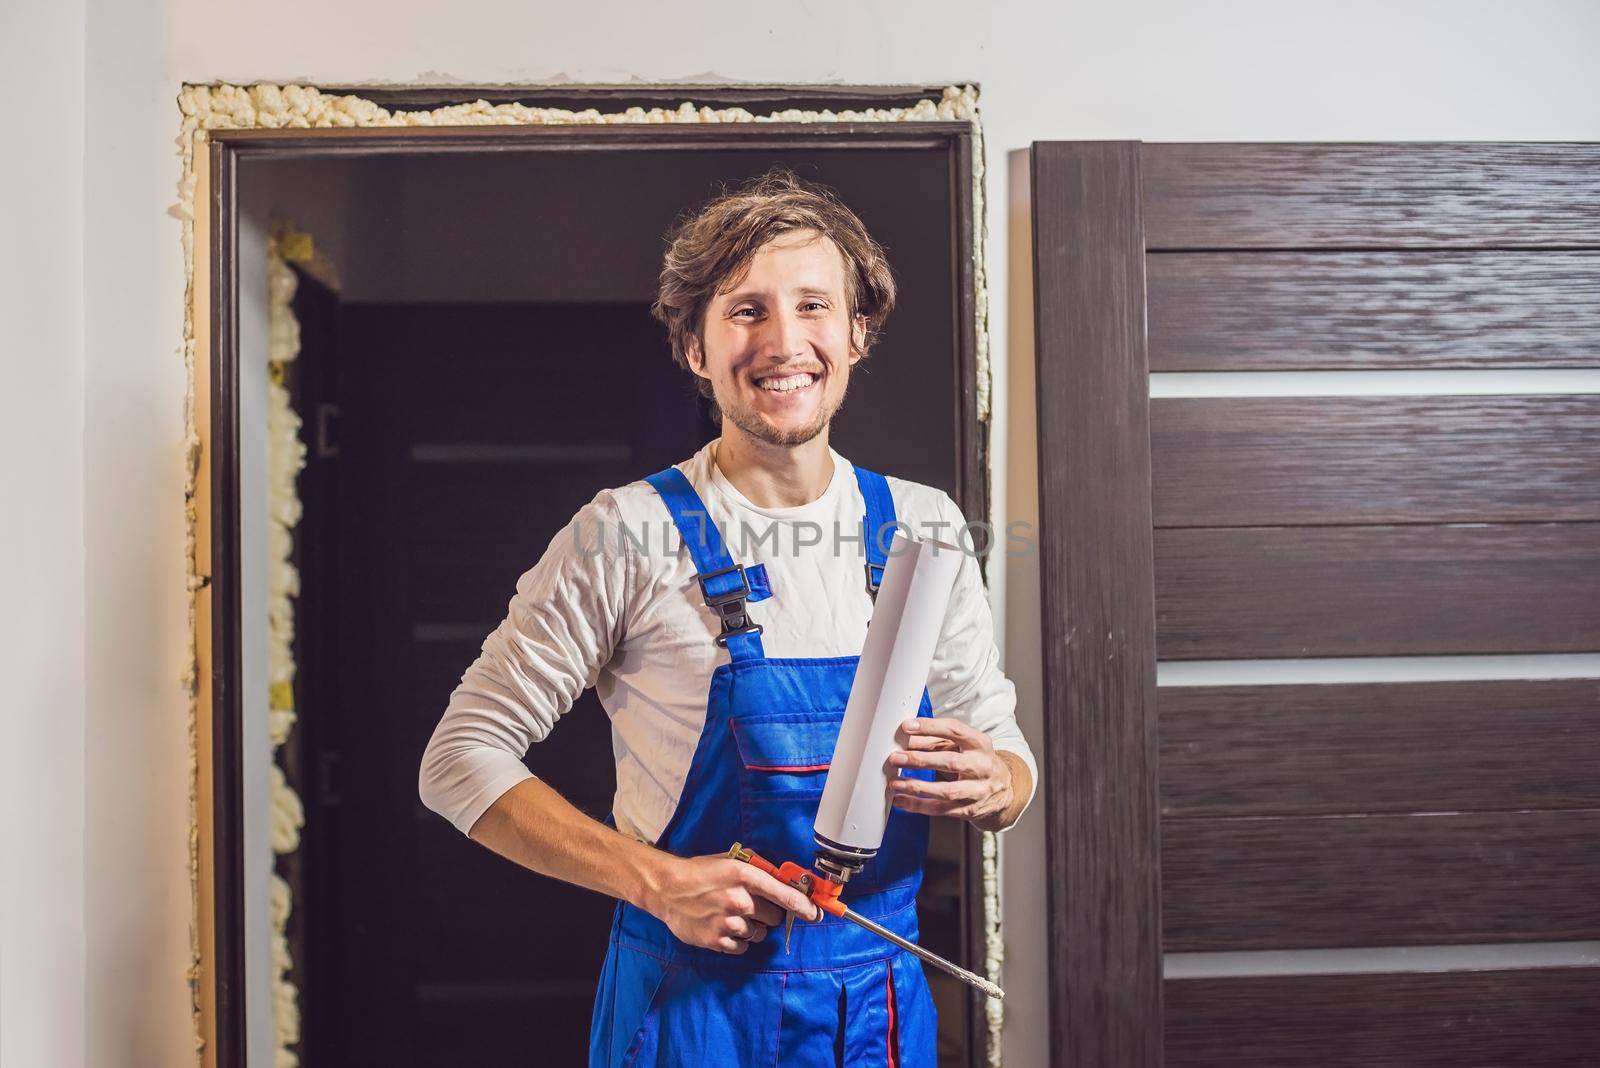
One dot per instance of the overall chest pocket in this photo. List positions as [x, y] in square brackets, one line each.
[783, 765]
[785, 754]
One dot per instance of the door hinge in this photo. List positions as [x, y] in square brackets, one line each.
[328, 777]
[327, 446]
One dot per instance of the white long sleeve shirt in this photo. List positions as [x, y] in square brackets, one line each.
[613, 603]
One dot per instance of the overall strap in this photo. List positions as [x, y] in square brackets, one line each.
[877, 526]
[723, 583]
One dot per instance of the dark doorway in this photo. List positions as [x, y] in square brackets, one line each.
[488, 364]
[465, 439]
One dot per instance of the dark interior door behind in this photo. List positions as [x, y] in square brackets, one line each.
[1255, 873]
[467, 436]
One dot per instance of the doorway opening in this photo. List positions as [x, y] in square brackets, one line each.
[484, 364]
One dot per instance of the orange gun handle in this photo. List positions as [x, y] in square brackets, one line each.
[751, 857]
[824, 893]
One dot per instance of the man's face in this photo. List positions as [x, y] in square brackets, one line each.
[777, 344]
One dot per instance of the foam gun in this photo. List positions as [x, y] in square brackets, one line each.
[893, 670]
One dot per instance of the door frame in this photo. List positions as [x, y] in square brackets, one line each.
[1097, 597]
[214, 328]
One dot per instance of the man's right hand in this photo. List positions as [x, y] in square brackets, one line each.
[718, 903]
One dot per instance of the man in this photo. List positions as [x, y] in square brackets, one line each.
[725, 682]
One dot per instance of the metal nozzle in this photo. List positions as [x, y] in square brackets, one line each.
[835, 869]
[839, 862]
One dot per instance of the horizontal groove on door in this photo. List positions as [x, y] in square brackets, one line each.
[1376, 669]
[1370, 196]
[1377, 590]
[1262, 311]
[1379, 748]
[1285, 461]
[1527, 381]
[1364, 880]
[1544, 1017]
[452, 632]
[496, 452]
[1378, 959]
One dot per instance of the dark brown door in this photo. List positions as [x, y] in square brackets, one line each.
[466, 436]
[1401, 871]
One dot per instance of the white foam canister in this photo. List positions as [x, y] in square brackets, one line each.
[895, 664]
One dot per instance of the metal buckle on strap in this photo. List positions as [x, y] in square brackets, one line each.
[874, 580]
[730, 606]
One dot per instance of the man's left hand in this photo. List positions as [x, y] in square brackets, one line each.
[975, 783]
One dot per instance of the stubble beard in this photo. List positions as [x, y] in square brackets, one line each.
[747, 420]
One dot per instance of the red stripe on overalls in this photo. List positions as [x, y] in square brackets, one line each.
[894, 1062]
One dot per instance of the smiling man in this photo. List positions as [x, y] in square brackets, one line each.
[724, 659]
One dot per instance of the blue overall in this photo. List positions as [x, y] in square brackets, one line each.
[839, 996]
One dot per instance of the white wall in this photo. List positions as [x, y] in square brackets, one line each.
[101, 608]
[42, 623]
[136, 850]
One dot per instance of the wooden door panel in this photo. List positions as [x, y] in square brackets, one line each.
[1363, 196]
[1297, 816]
[1287, 461]
[1099, 772]
[1302, 311]
[1380, 880]
[1224, 594]
[1509, 1018]
[1306, 750]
